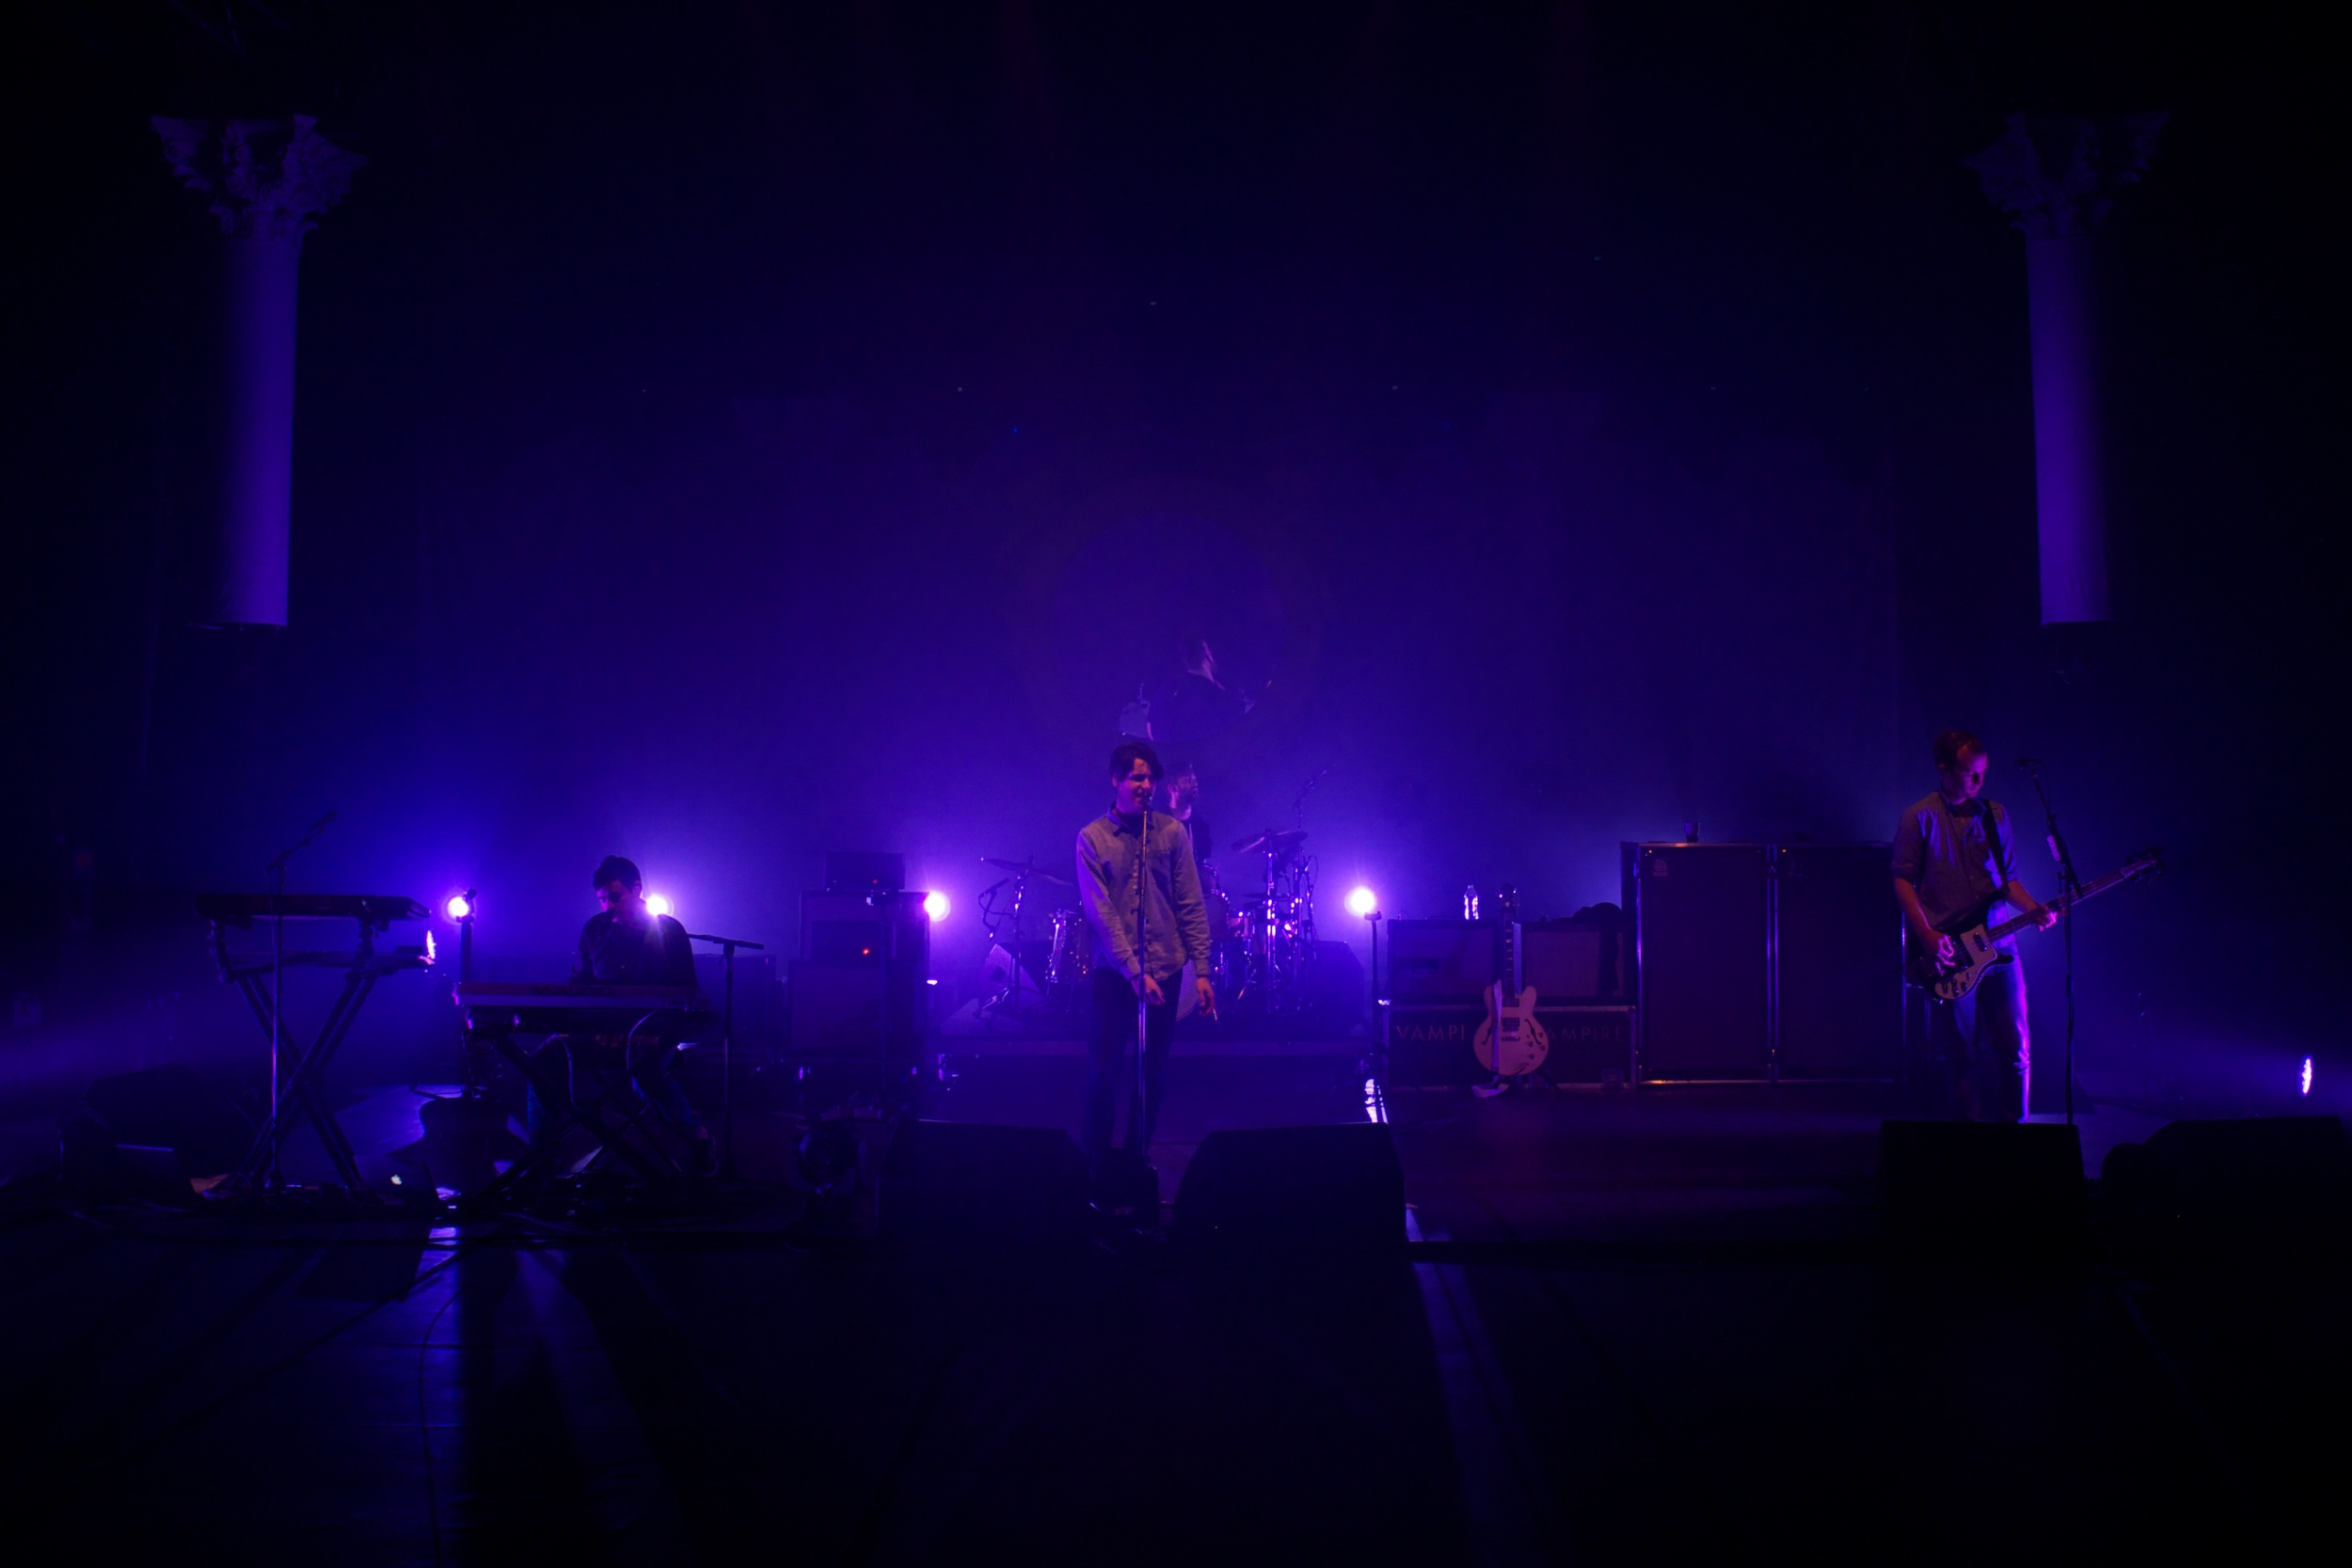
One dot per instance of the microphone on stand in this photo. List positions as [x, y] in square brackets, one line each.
[2029, 764]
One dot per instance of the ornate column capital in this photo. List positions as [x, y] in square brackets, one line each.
[263, 178]
[2059, 175]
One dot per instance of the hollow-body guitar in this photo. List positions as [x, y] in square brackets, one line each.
[1510, 1043]
[1976, 946]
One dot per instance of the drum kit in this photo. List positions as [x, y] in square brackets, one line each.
[1260, 946]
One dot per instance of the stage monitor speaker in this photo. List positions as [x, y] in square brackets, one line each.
[973, 1182]
[2256, 1183]
[1589, 1045]
[1427, 1045]
[1443, 961]
[835, 1010]
[1838, 963]
[1974, 1187]
[1294, 1191]
[1702, 924]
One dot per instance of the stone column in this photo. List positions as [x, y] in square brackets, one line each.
[2058, 177]
[265, 181]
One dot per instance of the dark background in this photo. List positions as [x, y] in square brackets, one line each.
[728, 432]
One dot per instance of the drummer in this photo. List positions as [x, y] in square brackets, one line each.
[1180, 794]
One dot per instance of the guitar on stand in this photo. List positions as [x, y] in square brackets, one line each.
[1510, 1043]
[1976, 947]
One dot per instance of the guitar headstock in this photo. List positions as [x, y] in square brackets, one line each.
[2148, 863]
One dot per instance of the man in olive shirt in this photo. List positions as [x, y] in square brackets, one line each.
[1176, 932]
[1955, 859]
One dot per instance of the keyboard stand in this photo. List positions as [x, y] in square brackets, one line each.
[303, 1074]
[610, 1125]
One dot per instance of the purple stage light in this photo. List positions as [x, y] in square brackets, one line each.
[2307, 1077]
[460, 907]
[935, 905]
[1363, 902]
[656, 904]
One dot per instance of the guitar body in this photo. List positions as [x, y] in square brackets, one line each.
[1509, 1041]
[1973, 952]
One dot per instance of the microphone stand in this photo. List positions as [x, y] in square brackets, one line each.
[2069, 885]
[727, 946]
[277, 868]
[1140, 1120]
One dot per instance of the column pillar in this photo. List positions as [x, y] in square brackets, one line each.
[266, 182]
[2058, 177]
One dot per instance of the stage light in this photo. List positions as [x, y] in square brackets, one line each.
[935, 905]
[1363, 902]
[460, 906]
[2307, 1077]
[656, 905]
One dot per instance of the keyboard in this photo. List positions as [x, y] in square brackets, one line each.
[370, 908]
[493, 1008]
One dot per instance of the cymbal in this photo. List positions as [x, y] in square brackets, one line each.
[1027, 868]
[1276, 840]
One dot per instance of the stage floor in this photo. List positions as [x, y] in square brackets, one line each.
[1664, 1333]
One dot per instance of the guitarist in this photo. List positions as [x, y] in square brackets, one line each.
[1955, 860]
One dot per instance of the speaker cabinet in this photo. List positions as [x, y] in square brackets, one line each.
[1838, 963]
[1294, 1191]
[1443, 961]
[1702, 923]
[836, 1011]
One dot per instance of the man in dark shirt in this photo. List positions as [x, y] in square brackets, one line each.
[1955, 857]
[629, 946]
[1126, 971]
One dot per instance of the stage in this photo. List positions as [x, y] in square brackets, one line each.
[1634, 1327]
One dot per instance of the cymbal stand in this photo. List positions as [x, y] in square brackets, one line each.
[1007, 998]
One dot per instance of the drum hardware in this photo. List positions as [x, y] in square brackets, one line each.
[1071, 962]
[1004, 915]
[1277, 937]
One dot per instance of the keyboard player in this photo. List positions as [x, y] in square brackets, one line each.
[627, 944]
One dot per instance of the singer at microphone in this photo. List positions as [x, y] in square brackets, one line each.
[1111, 851]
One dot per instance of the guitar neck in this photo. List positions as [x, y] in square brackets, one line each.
[2065, 901]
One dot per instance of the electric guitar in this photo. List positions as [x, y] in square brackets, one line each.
[1510, 1043]
[1974, 946]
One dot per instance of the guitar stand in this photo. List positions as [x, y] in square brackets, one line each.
[609, 1124]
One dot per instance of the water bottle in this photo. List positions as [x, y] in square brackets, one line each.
[1469, 902]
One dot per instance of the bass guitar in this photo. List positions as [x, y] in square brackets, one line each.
[1975, 946]
[1510, 1043]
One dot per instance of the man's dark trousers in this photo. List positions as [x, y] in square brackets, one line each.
[1111, 1075]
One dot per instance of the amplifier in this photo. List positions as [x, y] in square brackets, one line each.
[847, 928]
[1443, 961]
[1429, 1046]
[1589, 1045]
[1579, 961]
